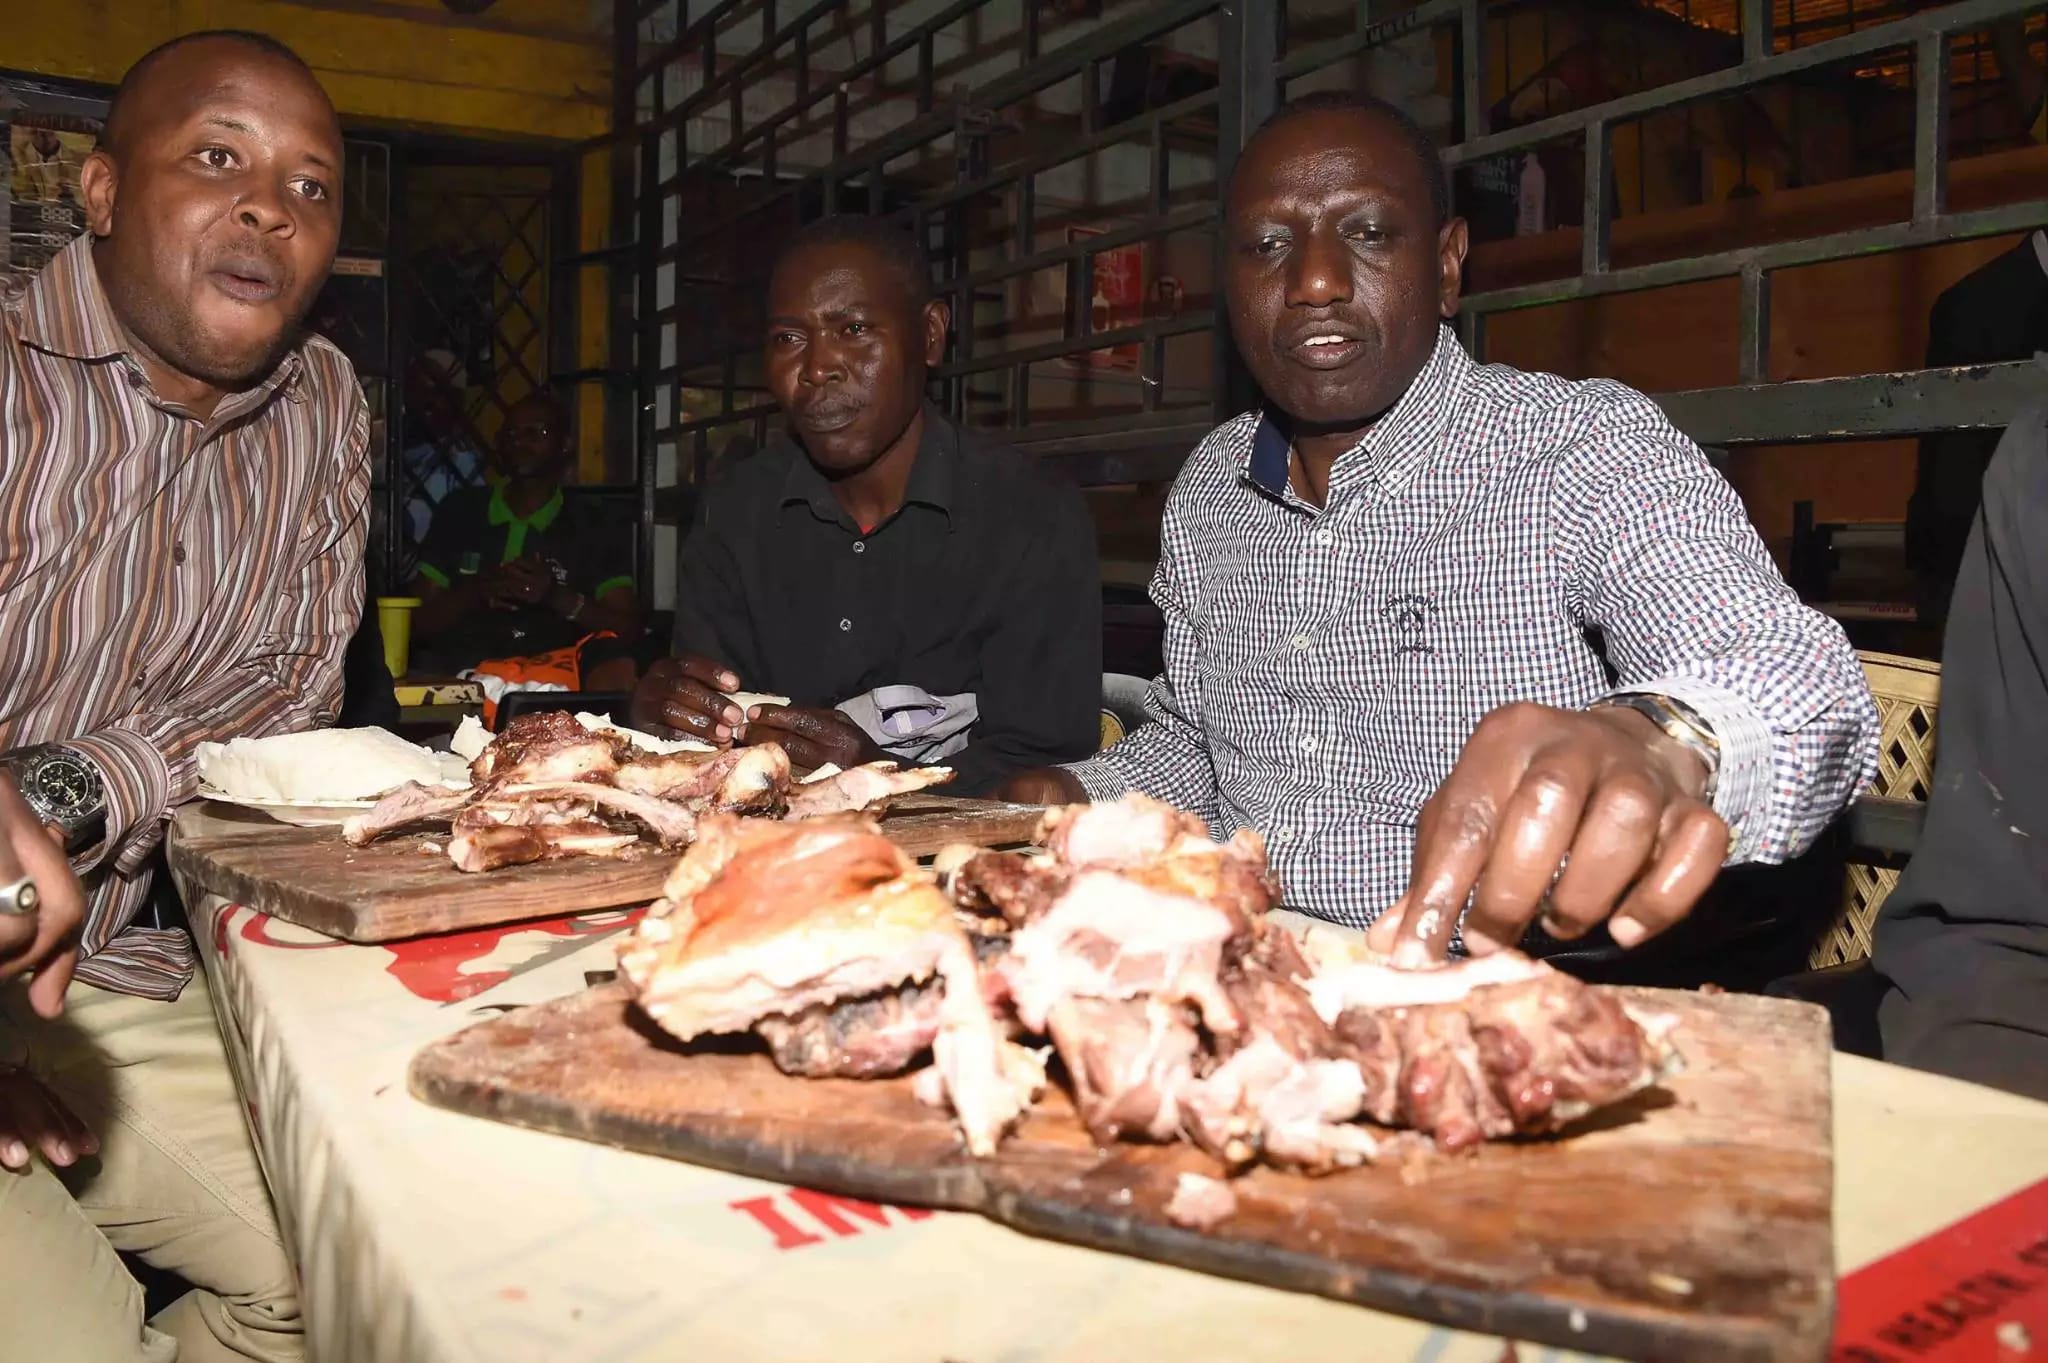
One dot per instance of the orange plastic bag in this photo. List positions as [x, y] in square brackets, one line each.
[560, 667]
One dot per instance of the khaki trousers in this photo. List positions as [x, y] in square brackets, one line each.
[176, 1182]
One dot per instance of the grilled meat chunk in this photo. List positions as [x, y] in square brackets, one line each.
[861, 790]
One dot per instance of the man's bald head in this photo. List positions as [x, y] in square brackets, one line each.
[132, 97]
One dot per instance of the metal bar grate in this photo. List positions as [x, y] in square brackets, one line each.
[875, 85]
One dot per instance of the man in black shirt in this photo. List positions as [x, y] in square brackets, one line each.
[917, 592]
[513, 569]
[1998, 312]
[1962, 940]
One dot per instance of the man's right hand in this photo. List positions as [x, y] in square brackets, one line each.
[690, 696]
[45, 941]
[31, 1116]
[1043, 786]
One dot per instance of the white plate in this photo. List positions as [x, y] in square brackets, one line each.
[299, 815]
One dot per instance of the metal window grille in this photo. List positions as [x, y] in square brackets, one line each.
[746, 117]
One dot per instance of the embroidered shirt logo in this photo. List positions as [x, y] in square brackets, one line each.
[1409, 614]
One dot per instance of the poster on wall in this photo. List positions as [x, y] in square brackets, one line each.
[1118, 300]
[44, 209]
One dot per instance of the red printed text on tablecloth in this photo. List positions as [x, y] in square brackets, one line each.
[457, 965]
[805, 1216]
[1976, 1292]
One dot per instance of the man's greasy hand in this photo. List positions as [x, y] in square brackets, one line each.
[1576, 816]
[1043, 786]
[32, 1117]
[811, 737]
[688, 696]
[46, 941]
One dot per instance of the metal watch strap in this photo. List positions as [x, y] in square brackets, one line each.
[1680, 723]
[81, 829]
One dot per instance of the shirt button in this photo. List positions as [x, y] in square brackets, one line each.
[1322, 537]
[860, 546]
[178, 554]
[845, 625]
[1286, 834]
[1308, 744]
[1299, 641]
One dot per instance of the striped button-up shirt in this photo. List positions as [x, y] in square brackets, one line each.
[163, 579]
[1496, 537]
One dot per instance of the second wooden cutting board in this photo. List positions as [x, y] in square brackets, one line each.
[400, 888]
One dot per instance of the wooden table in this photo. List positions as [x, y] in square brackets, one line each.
[422, 1235]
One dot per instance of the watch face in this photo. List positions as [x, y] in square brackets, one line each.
[66, 785]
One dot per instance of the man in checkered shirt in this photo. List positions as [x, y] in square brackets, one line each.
[1445, 632]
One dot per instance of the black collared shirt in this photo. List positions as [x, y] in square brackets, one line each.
[475, 530]
[985, 581]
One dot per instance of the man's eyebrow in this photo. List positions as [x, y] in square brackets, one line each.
[233, 124]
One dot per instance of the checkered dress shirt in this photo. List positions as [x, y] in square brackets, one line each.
[1497, 537]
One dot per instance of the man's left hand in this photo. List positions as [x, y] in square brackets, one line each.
[522, 582]
[1576, 816]
[810, 737]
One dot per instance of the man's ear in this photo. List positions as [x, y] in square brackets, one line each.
[938, 320]
[97, 181]
[1451, 245]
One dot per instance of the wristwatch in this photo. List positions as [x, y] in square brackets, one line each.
[1680, 723]
[63, 788]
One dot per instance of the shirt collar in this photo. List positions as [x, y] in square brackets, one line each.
[64, 311]
[543, 516]
[932, 477]
[1397, 445]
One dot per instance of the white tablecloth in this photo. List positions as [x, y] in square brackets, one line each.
[424, 1235]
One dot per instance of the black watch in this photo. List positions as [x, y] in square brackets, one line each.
[63, 788]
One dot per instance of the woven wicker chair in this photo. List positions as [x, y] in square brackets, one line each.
[1907, 691]
[1123, 706]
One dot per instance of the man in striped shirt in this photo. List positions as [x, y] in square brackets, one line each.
[183, 484]
[1467, 644]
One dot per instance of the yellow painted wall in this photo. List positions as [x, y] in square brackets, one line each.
[525, 68]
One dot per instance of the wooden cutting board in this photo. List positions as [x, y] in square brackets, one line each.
[397, 887]
[1693, 1223]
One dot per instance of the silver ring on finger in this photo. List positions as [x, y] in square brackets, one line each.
[21, 899]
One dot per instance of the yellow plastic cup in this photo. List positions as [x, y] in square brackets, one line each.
[394, 620]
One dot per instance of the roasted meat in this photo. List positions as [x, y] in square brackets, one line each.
[410, 804]
[601, 780]
[766, 918]
[548, 747]
[1494, 1046]
[1130, 1062]
[1108, 936]
[491, 846]
[865, 1038]
[774, 920]
[738, 780]
[1148, 912]
[1007, 885]
[1143, 951]
[672, 824]
[861, 790]
[1131, 831]
[1285, 1090]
